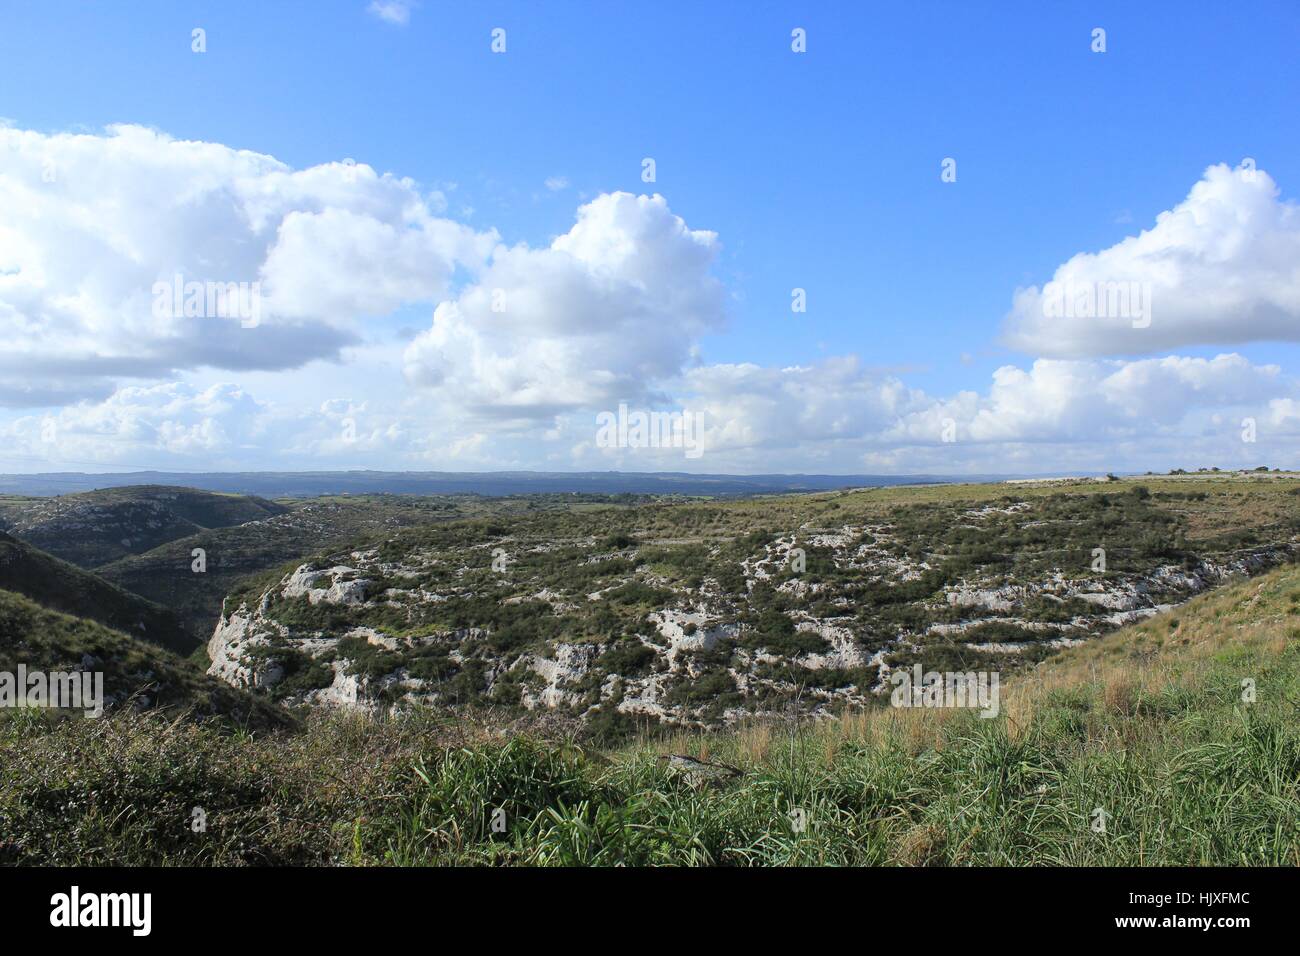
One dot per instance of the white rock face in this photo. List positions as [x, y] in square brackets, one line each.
[301, 581]
[643, 696]
[703, 637]
[227, 648]
[997, 599]
[1118, 597]
[1008, 647]
[683, 638]
[837, 539]
[347, 592]
[569, 665]
[373, 637]
[986, 511]
[845, 652]
[1120, 618]
[951, 630]
[346, 692]
[305, 581]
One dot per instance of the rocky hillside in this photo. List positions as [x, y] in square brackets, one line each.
[705, 613]
[1151, 722]
[166, 574]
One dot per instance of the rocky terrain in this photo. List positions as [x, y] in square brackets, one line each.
[695, 614]
[619, 612]
[166, 574]
[145, 539]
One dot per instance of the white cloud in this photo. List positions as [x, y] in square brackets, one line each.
[222, 426]
[338, 263]
[556, 183]
[92, 222]
[144, 426]
[1222, 267]
[396, 12]
[605, 314]
[838, 416]
[527, 344]
[1284, 414]
[751, 407]
[834, 417]
[1084, 400]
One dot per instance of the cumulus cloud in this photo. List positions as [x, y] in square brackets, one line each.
[1222, 267]
[604, 314]
[751, 407]
[1089, 400]
[1284, 413]
[178, 425]
[839, 414]
[93, 224]
[339, 263]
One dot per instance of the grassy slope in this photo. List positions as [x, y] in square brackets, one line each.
[64, 587]
[1147, 724]
[93, 528]
[47, 640]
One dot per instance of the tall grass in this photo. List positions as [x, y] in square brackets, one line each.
[1180, 789]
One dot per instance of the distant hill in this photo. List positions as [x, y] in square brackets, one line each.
[46, 640]
[310, 484]
[62, 586]
[95, 527]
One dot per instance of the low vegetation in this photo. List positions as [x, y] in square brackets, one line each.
[1180, 733]
[92, 528]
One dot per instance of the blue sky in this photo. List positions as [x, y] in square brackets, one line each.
[817, 170]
